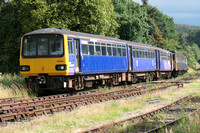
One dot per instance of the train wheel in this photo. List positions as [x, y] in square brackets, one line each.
[134, 78]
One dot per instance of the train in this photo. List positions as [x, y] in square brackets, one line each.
[54, 58]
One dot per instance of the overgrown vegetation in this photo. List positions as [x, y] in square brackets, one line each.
[125, 19]
[14, 86]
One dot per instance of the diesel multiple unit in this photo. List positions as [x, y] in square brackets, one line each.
[54, 58]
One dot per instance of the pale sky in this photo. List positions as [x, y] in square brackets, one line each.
[183, 11]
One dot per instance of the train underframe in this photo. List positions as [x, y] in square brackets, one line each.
[78, 82]
[179, 72]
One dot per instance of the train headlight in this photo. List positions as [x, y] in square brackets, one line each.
[61, 67]
[25, 68]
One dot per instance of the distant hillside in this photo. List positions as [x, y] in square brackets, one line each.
[185, 28]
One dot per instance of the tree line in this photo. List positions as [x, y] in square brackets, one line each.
[124, 19]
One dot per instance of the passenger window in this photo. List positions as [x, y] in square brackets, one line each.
[97, 49]
[70, 48]
[140, 54]
[124, 52]
[91, 48]
[103, 47]
[134, 55]
[109, 50]
[137, 54]
[119, 50]
[146, 54]
[149, 56]
[84, 49]
[114, 50]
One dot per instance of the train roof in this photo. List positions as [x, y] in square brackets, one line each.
[91, 36]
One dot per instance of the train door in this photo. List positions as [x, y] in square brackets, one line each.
[130, 58]
[77, 55]
[157, 59]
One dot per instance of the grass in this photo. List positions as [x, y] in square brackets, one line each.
[13, 86]
[189, 74]
[93, 115]
[187, 124]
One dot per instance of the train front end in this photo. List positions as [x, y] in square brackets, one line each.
[44, 60]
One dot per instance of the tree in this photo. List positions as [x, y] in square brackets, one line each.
[194, 36]
[144, 2]
[164, 23]
[133, 20]
[18, 17]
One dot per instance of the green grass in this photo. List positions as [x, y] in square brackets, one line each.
[14, 86]
[189, 74]
[188, 124]
[10, 79]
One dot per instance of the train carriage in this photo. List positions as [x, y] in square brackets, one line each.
[57, 58]
[179, 63]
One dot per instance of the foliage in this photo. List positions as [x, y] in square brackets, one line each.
[116, 18]
[194, 36]
[171, 44]
[191, 50]
[157, 37]
[14, 86]
[133, 20]
[21, 16]
[163, 22]
[185, 28]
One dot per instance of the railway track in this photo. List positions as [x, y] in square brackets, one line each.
[12, 109]
[174, 116]
[168, 118]
[21, 110]
[110, 127]
[21, 99]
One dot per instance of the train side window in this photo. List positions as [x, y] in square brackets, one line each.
[119, 50]
[97, 49]
[103, 48]
[114, 49]
[140, 54]
[91, 48]
[145, 54]
[109, 50]
[149, 56]
[124, 51]
[84, 49]
[137, 54]
[134, 54]
[70, 48]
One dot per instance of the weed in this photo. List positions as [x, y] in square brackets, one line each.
[14, 86]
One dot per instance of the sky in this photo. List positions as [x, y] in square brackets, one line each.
[183, 11]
